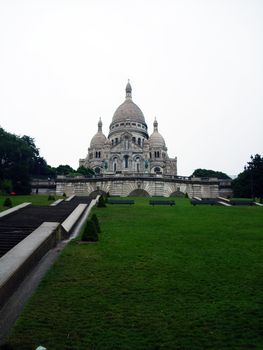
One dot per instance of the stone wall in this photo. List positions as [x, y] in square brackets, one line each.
[156, 186]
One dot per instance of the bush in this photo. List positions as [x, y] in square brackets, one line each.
[90, 233]
[186, 195]
[6, 186]
[101, 202]
[51, 198]
[95, 220]
[8, 203]
[64, 195]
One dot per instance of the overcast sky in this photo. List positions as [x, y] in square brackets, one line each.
[195, 65]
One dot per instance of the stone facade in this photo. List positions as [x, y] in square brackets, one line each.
[140, 186]
[128, 149]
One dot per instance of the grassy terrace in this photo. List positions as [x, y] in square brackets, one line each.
[39, 199]
[179, 277]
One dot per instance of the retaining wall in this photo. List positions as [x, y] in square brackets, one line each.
[16, 263]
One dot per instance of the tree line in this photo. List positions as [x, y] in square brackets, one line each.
[20, 161]
[248, 184]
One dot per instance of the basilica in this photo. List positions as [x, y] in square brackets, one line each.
[128, 149]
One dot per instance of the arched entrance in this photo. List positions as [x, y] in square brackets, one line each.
[177, 194]
[97, 170]
[95, 193]
[139, 193]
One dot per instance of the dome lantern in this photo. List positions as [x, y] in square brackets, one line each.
[155, 125]
[100, 125]
[128, 90]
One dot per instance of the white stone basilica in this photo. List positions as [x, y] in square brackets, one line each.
[129, 150]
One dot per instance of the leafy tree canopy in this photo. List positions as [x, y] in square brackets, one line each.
[85, 171]
[19, 160]
[64, 170]
[210, 173]
[249, 183]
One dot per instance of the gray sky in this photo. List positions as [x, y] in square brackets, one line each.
[197, 65]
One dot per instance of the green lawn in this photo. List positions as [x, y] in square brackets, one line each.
[181, 277]
[39, 199]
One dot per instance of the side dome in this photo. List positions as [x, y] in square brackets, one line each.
[99, 139]
[156, 139]
[128, 109]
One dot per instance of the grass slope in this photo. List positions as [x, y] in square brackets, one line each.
[178, 277]
[39, 199]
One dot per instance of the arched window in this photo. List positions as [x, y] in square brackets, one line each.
[134, 139]
[139, 141]
[157, 170]
[116, 140]
[97, 170]
[137, 164]
[150, 154]
[112, 142]
[126, 142]
[126, 161]
[115, 160]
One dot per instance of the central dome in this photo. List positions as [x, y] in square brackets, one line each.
[128, 110]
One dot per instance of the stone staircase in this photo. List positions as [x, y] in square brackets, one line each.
[18, 225]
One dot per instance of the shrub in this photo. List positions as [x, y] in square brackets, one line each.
[64, 195]
[8, 203]
[51, 198]
[6, 186]
[95, 220]
[101, 202]
[90, 233]
[186, 195]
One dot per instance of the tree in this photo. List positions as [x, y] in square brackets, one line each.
[15, 160]
[19, 160]
[64, 170]
[90, 233]
[85, 171]
[249, 183]
[210, 173]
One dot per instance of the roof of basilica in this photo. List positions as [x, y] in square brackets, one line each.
[128, 110]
